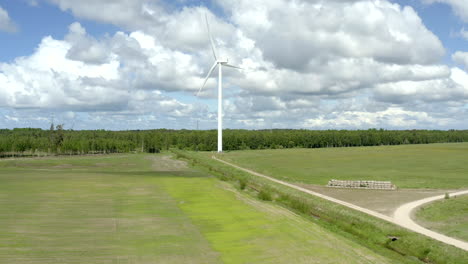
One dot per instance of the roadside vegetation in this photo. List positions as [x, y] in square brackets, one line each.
[448, 216]
[433, 166]
[380, 236]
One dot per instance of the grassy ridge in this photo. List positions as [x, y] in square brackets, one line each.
[409, 166]
[373, 233]
[449, 216]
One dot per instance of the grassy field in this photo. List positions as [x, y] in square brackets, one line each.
[92, 210]
[149, 209]
[449, 216]
[438, 166]
[374, 233]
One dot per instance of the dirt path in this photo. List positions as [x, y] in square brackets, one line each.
[355, 207]
[402, 218]
[380, 201]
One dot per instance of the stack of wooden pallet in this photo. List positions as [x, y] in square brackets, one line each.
[378, 185]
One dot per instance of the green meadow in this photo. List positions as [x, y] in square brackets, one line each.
[150, 209]
[448, 216]
[437, 166]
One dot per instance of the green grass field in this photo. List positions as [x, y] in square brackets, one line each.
[448, 216]
[438, 166]
[149, 209]
[372, 232]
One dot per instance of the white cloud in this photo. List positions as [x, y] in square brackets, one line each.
[340, 52]
[32, 2]
[85, 48]
[6, 24]
[47, 79]
[459, 7]
[454, 89]
[461, 78]
[353, 113]
[322, 31]
[130, 14]
[394, 117]
[336, 77]
[461, 58]
[319, 29]
[464, 33]
[127, 79]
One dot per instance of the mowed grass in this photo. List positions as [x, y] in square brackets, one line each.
[449, 216]
[438, 166]
[121, 209]
[95, 211]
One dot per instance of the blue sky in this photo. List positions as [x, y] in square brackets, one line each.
[108, 70]
[439, 18]
[35, 22]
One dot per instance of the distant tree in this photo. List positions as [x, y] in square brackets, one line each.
[58, 137]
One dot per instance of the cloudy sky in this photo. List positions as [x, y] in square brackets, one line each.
[314, 64]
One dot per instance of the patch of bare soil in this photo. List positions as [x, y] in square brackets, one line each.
[166, 163]
[102, 164]
[63, 156]
[63, 166]
[382, 201]
[140, 191]
[96, 165]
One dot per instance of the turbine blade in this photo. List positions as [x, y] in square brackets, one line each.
[232, 66]
[207, 76]
[211, 39]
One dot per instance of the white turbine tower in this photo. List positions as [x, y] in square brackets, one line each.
[220, 63]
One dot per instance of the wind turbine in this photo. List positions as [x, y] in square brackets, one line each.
[220, 63]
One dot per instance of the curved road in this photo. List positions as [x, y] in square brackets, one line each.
[401, 216]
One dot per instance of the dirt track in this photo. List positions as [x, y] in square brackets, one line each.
[380, 201]
[401, 216]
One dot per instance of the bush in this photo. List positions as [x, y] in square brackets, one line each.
[242, 184]
[265, 195]
[223, 176]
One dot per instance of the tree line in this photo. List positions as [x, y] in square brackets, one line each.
[57, 140]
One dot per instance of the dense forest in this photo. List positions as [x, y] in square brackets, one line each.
[56, 140]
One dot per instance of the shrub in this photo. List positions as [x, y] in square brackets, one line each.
[265, 195]
[223, 176]
[242, 184]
